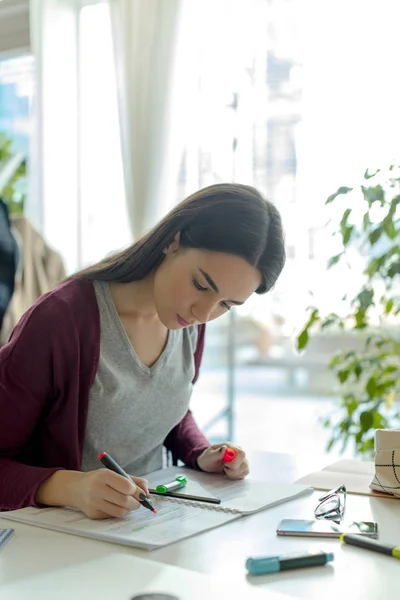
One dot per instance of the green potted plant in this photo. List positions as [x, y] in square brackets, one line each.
[368, 376]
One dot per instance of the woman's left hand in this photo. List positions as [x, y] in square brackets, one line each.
[211, 461]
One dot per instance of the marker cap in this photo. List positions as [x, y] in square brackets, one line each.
[229, 455]
[178, 483]
[263, 566]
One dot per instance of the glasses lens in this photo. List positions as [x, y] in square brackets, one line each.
[328, 506]
[342, 500]
[332, 505]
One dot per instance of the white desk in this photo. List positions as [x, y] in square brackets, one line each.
[355, 573]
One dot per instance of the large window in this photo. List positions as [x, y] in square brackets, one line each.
[16, 89]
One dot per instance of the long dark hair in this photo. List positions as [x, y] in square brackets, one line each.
[227, 217]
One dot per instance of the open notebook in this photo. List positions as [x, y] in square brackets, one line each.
[176, 518]
[355, 474]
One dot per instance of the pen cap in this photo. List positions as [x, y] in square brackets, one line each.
[263, 566]
[178, 483]
[229, 455]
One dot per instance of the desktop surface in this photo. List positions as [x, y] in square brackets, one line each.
[354, 573]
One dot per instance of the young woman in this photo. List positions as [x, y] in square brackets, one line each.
[107, 360]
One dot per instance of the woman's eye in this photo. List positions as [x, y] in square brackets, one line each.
[198, 286]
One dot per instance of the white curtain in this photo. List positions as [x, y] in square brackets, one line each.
[145, 36]
[76, 194]
[54, 158]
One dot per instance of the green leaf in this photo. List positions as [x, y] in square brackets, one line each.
[388, 306]
[394, 269]
[389, 228]
[343, 375]
[367, 447]
[344, 425]
[330, 444]
[375, 235]
[395, 202]
[352, 407]
[334, 259]
[371, 387]
[366, 221]
[335, 360]
[345, 216]
[366, 298]
[373, 194]
[330, 320]
[359, 316]
[358, 371]
[379, 422]
[339, 192]
[302, 339]
[366, 420]
[373, 267]
[368, 175]
[346, 234]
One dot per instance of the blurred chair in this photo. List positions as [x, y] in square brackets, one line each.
[40, 270]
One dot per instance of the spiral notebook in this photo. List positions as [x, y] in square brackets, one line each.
[176, 518]
[5, 536]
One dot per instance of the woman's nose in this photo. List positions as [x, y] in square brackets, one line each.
[202, 311]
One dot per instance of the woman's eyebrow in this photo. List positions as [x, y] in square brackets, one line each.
[214, 286]
[209, 280]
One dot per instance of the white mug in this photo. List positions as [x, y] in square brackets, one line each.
[387, 462]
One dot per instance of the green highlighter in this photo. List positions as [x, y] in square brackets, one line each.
[370, 544]
[178, 483]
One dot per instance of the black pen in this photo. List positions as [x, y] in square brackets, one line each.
[186, 496]
[110, 463]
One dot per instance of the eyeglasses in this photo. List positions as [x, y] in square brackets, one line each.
[332, 505]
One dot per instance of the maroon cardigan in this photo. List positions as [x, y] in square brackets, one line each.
[46, 371]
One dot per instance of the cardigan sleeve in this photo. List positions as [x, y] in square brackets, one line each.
[26, 387]
[185, 441]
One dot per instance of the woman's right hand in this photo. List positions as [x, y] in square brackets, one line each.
[99, 494]
[102, 494]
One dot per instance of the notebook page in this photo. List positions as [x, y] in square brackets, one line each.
[173, 521]
[244, 496]
[355, 474]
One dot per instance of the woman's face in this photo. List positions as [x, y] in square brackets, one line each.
[196, 286]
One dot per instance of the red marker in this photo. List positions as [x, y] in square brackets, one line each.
[110, 463]
[229, 455]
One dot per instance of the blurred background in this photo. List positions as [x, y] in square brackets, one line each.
[113, 111]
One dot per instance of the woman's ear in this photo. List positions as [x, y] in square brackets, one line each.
[174, 245]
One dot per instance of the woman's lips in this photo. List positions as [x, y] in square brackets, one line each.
[182, 321]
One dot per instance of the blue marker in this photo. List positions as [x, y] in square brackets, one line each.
[273, 564]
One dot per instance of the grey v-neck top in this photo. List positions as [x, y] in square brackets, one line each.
[132, 407]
